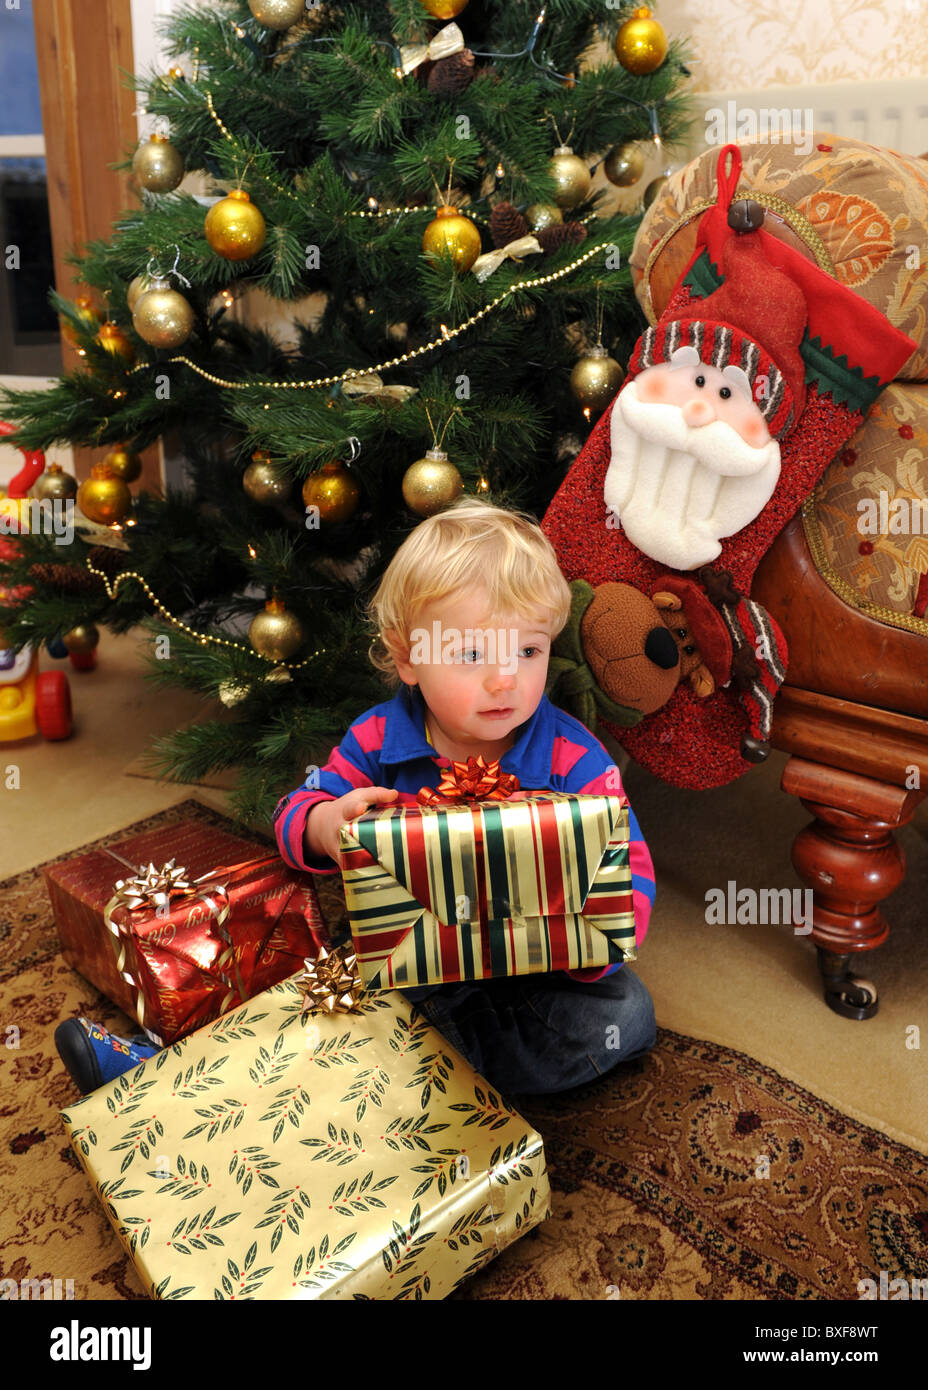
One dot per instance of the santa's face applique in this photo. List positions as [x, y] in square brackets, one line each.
[692, 459]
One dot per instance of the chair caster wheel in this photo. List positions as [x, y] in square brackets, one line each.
[852, 998]
[845, 993]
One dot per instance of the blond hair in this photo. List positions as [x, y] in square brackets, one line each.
[472, 542]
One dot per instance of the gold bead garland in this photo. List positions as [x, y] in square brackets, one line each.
[447, 335]
[203, 638]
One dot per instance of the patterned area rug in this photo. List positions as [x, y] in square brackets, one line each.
[693, 1173]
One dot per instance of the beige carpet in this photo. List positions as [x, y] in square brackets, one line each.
[754, 989]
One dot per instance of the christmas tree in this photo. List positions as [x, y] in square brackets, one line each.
[371, 156]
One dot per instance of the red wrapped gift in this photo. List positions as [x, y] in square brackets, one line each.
[179, 924]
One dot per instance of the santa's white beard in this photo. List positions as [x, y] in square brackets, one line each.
[678, 491]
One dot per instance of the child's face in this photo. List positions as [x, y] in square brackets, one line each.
[480, 677]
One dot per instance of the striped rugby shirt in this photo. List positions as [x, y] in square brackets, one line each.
[388, 747]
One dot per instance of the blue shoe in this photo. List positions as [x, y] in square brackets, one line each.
[93, 1056]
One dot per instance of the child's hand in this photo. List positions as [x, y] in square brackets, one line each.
[326, 817]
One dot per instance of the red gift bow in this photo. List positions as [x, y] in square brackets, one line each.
[473, 780]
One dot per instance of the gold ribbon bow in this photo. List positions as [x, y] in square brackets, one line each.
[371, 384]
[155, 888]
[473, 780]
[331, 981]
[484, 266]
[447, 41]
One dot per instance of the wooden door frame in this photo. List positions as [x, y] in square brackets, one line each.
[88, 118]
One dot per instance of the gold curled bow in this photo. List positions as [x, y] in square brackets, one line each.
[154, 888]
[371, 384]
[331, 981]
[447, 41]
[473, 780]
[484, 266]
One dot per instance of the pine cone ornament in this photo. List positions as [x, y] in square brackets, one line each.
[105, 558]
[553, 238]
[67, 579]
[451, 75]
[507, 224]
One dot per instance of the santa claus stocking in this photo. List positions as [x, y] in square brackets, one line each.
[758, 371]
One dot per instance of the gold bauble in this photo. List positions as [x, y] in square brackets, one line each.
[157, 165]
[103, 497]
[162, 316]
[234, 227]
[276, 14]
[137, 287]
[444, 9]
[114, 341]
[81, 639]
[451, 234]
[652, 190]
[125, 464]
[541, 215]
[54, 483]
[624, 165]
[89, 317]
[333, 490]
[595, 379]
[641, 44]
[262, 481]
[571, 175]
[276, 633]
[431, 483]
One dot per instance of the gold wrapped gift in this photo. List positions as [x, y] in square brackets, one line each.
[282, 1153]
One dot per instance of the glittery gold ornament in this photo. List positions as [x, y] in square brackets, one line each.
[624, 165]
[571, 175]
[276, 633]
[157, 165]
[263, 482]
[90, 320]
[125, 464]
[276, 14]
[641, 44]
[234, 227]
[431, 483]
[137, 287]
[541, 215]
[454, 235]
[162, 316]
[652, 190]
[444, 9]
[114, 341]
[333, 490]
[82, 638]
[103, 497]
[595, 380]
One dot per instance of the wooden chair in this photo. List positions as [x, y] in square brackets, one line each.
[853, 715]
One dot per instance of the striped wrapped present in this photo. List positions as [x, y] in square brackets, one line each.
[468, 891]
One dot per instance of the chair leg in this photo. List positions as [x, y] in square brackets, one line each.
[849, 857]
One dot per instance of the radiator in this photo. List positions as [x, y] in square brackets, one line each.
[893, 115]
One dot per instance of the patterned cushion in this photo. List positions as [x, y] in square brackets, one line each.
[862, 211]
[862, 214]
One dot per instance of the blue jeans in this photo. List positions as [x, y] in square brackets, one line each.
[535, 1034]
